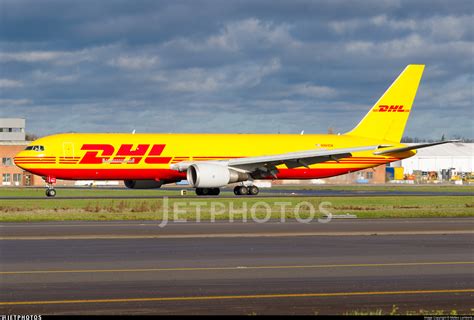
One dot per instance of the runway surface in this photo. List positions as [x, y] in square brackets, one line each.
[264, 193]
[221, 229]
[237, 268]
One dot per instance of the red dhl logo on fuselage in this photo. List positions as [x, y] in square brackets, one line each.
[392, 108]
[126, 154]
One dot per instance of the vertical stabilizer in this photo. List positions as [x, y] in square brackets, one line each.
[388, 117]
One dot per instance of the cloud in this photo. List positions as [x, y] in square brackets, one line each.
[8, 83]
[54, 57]
[32, 56]
[41, 78]
[237, 35]
[227, 78]
[134, 62]
[307, 89]
[240, 66]
[14, 102]
[438, 27]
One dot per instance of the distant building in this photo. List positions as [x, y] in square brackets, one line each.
[455, 156]
[12, 141]
[451, 162]
[441, 163]
[12, 129]
[375, 175]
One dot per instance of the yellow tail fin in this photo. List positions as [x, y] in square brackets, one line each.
[388, 117]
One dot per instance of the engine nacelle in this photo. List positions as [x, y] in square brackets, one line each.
[143, 184]
[210, 175]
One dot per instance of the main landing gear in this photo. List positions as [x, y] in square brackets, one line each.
[238, 191]
[50, 191]
[243, 190]
[208, 191]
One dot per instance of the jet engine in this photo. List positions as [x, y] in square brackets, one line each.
[211, 175]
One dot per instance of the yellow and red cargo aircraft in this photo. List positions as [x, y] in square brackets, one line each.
[211, 161]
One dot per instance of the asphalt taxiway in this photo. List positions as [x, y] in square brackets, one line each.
[237, 268]
[221, 229]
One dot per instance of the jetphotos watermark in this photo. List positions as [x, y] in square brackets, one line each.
[244, 211]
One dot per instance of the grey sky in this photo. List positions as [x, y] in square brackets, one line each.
[231, 66]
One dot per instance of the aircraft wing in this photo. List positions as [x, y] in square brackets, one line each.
[413, 147]
[267, 164]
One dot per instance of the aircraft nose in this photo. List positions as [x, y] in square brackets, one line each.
[18, 159]
[23, 159]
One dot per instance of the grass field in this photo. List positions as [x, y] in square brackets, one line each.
[215, 208]
[84, 192]
[105, 192]
[386, 187]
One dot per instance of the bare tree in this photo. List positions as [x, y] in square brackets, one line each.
[31, 136]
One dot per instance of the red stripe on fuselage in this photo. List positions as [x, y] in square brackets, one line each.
[35, 162]
[172, 175]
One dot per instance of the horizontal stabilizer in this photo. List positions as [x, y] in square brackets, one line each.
[413, 147]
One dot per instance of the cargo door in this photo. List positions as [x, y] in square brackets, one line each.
[68, 156]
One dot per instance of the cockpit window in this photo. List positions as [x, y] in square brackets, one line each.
[35, 148]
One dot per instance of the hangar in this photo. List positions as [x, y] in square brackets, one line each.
[455, 156]
[441, 163]
[452, 162]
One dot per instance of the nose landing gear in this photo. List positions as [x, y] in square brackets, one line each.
[50, 191]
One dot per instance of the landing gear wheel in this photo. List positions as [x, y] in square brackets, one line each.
[236, 190]
[208, 191]
[215, 191]
[50, 192]
[253, 190]
[242, 191]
